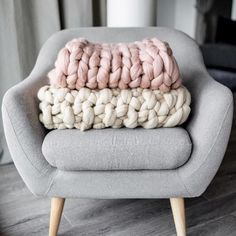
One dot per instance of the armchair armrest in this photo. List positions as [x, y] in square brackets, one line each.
[24, 133]
[209, 128]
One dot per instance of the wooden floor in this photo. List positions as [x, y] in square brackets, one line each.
[214, 213]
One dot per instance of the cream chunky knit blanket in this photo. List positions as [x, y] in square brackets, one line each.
[84, 109]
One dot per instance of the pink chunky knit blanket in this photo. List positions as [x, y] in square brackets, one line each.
[147, 64]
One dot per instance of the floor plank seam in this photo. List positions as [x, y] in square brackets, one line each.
[67, 219]
[21, 222]
[190, 228]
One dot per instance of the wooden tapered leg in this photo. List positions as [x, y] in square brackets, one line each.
[178, 211]
[57, 205]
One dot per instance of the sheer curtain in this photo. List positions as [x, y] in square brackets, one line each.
[203, 7]
[25, 25]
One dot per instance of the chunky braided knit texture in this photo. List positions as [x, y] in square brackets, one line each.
[147, 64]
[84, 109]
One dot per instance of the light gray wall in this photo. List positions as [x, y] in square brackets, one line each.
[233, 13]
[177, 14]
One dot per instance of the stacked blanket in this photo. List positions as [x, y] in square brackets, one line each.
[113, 85]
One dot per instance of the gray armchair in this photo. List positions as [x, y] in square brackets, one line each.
[118, 169]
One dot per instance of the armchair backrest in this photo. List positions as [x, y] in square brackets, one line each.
[186, 51]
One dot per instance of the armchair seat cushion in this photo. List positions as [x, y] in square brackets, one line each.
[117, 149]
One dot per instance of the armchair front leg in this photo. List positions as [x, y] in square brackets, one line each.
[57, 205]
[178, 211]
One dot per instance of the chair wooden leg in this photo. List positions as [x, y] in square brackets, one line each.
[178, 211]
[57, 205]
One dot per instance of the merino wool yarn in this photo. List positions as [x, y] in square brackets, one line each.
[99, 85]
[86, 108]
[142, 64]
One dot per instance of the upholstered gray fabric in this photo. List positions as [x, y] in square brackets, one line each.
[209, 127]
[117, 149]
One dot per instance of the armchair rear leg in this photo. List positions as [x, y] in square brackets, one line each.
[57, 205]
[178, 211]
